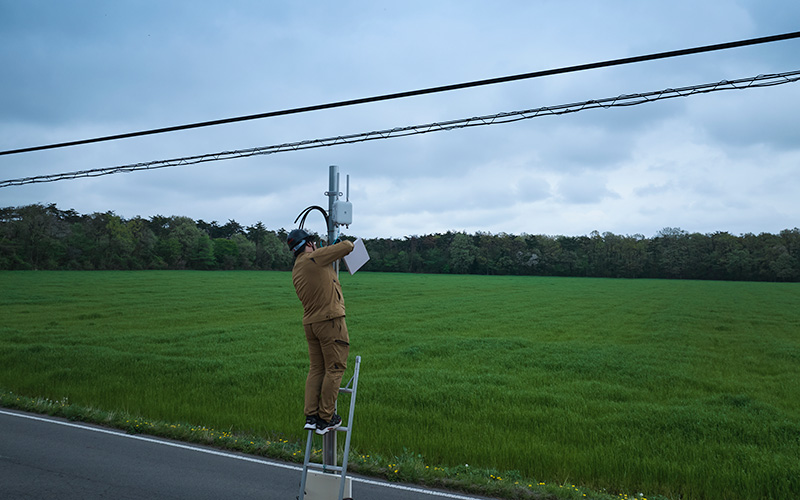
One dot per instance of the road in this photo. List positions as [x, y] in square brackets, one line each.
[44, 457]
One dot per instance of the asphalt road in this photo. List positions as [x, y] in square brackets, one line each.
[44, 457]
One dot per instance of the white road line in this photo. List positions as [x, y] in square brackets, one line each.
[230, 455]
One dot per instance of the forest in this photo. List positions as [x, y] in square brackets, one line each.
[42, 237]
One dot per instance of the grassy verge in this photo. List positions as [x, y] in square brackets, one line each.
[678, 388]
[406, 467]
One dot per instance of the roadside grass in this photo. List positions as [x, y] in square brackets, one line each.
[406, 467]
[683, 389]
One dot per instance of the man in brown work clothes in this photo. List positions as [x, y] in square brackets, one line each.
[319, 290]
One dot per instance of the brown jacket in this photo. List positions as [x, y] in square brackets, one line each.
[316, 283]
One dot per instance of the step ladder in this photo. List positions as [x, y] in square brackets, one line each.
[350, 388]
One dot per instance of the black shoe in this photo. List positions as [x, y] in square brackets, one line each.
[311, 423]
[323, 426]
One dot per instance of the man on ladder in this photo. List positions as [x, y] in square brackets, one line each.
[320, 292]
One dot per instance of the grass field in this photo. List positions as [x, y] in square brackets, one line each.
[684, 389]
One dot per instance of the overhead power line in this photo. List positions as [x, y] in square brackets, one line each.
[431, 90]
[506, 117]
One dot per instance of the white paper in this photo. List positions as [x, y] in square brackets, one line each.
[357, 258]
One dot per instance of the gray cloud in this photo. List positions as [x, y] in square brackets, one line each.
[716, 162]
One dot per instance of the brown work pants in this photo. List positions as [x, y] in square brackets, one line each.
[328, 347]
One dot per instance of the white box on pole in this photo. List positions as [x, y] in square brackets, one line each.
[342, 213]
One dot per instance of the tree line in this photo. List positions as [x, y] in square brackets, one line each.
[44, 237]
[672, 253]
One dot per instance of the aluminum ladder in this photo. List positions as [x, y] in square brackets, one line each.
[350, 388]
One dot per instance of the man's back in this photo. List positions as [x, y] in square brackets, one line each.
[317, 285]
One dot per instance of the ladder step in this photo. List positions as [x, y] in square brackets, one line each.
[345, 389]
[324, 468]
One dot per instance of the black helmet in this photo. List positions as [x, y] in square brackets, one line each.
[297, 239]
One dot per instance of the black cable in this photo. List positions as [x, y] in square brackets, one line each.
[307, 211]
[431, 90]
[758, 81]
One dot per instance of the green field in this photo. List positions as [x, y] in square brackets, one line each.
[686, 389]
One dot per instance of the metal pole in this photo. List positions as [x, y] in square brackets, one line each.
[329, 439]
[333, 195]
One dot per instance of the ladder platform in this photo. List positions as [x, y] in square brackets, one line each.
[341, 428]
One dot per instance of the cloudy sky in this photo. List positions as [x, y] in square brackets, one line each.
[726, 161]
